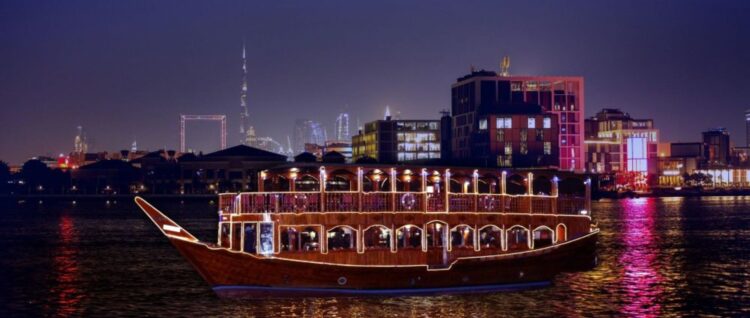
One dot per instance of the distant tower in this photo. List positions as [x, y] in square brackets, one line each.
[289, 150]
[387, 113]
[79, 145]
[134, 146]
[342, 127]
[747, 127]
[505, 66]
[244, 114]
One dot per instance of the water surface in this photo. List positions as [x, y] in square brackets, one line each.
[657, 257]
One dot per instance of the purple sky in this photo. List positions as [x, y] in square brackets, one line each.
[126, 69]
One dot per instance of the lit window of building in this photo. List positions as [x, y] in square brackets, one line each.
[532, 123]
[547, 123]
[483, 124]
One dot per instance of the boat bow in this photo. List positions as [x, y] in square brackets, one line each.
[168, 227]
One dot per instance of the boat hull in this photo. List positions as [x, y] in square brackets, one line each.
[233, 273]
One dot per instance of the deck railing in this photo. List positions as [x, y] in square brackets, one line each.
[352, 201]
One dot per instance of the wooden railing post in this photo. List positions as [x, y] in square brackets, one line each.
[554, 194]
[360, 178]
[530, 188]
[587, 198]
[475, 184]
[503, 190]
[322, 182]
[394, 187]
[425, 203]
[447, 189]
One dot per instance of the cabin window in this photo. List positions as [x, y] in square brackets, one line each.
[562, 233]
[289, 239]
[436, 234]
[342, 238]
[462, 236]
[266, 237]
[309, 239]
[378, 237]
[518, 238]
[251, 237]
[236, 236]
[409, 236]
[224, 235]
[543, 236]
[300, 238]
[491, 237]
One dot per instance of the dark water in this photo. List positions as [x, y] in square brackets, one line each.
[658, 257]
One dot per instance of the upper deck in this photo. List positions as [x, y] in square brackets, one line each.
[347, 188]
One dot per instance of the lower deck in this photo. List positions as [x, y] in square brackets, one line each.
[387, 239]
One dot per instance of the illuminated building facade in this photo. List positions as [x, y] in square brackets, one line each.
[481, 93]
[716, 148]
[390, 141]
[520, 136]
[621, 145]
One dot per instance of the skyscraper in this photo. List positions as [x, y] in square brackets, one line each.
[307, 132]
[747, 127]
[342, 127]
[245, 128]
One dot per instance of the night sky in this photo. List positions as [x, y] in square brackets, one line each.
[125, 70]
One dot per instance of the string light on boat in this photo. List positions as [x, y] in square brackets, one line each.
[293, 173]
[407, 176]
[376, 175]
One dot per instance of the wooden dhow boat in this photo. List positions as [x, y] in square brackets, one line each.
[343, 229]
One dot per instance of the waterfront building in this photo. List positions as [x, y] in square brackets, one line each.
[623, 146]
[483, 93]
[231, 169]
[683, 160]
[390, 141]
[716, 147]
[344, 147]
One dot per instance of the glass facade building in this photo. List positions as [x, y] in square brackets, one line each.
[398, 140]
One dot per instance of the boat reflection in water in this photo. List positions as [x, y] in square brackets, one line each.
[641, 280]
[66, 290]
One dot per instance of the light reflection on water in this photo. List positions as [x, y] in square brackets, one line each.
[657, 257]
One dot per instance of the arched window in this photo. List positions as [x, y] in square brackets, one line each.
[377, 237]
[409, 236]
[307, 183]
[562, 233]
[436, 234]
[462, 236]
[543, 236]
[518, 238]
[310, 239]
[491, 237]
[342, 238]
[300, 239]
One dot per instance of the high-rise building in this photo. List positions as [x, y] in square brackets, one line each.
[390, 141]
[307, 132]
[716, 148]
[619, 144]
[747, 128]
[342, 127]
[482, 93]
[247, 133]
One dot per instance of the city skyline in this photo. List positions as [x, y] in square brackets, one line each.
[91, 66]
